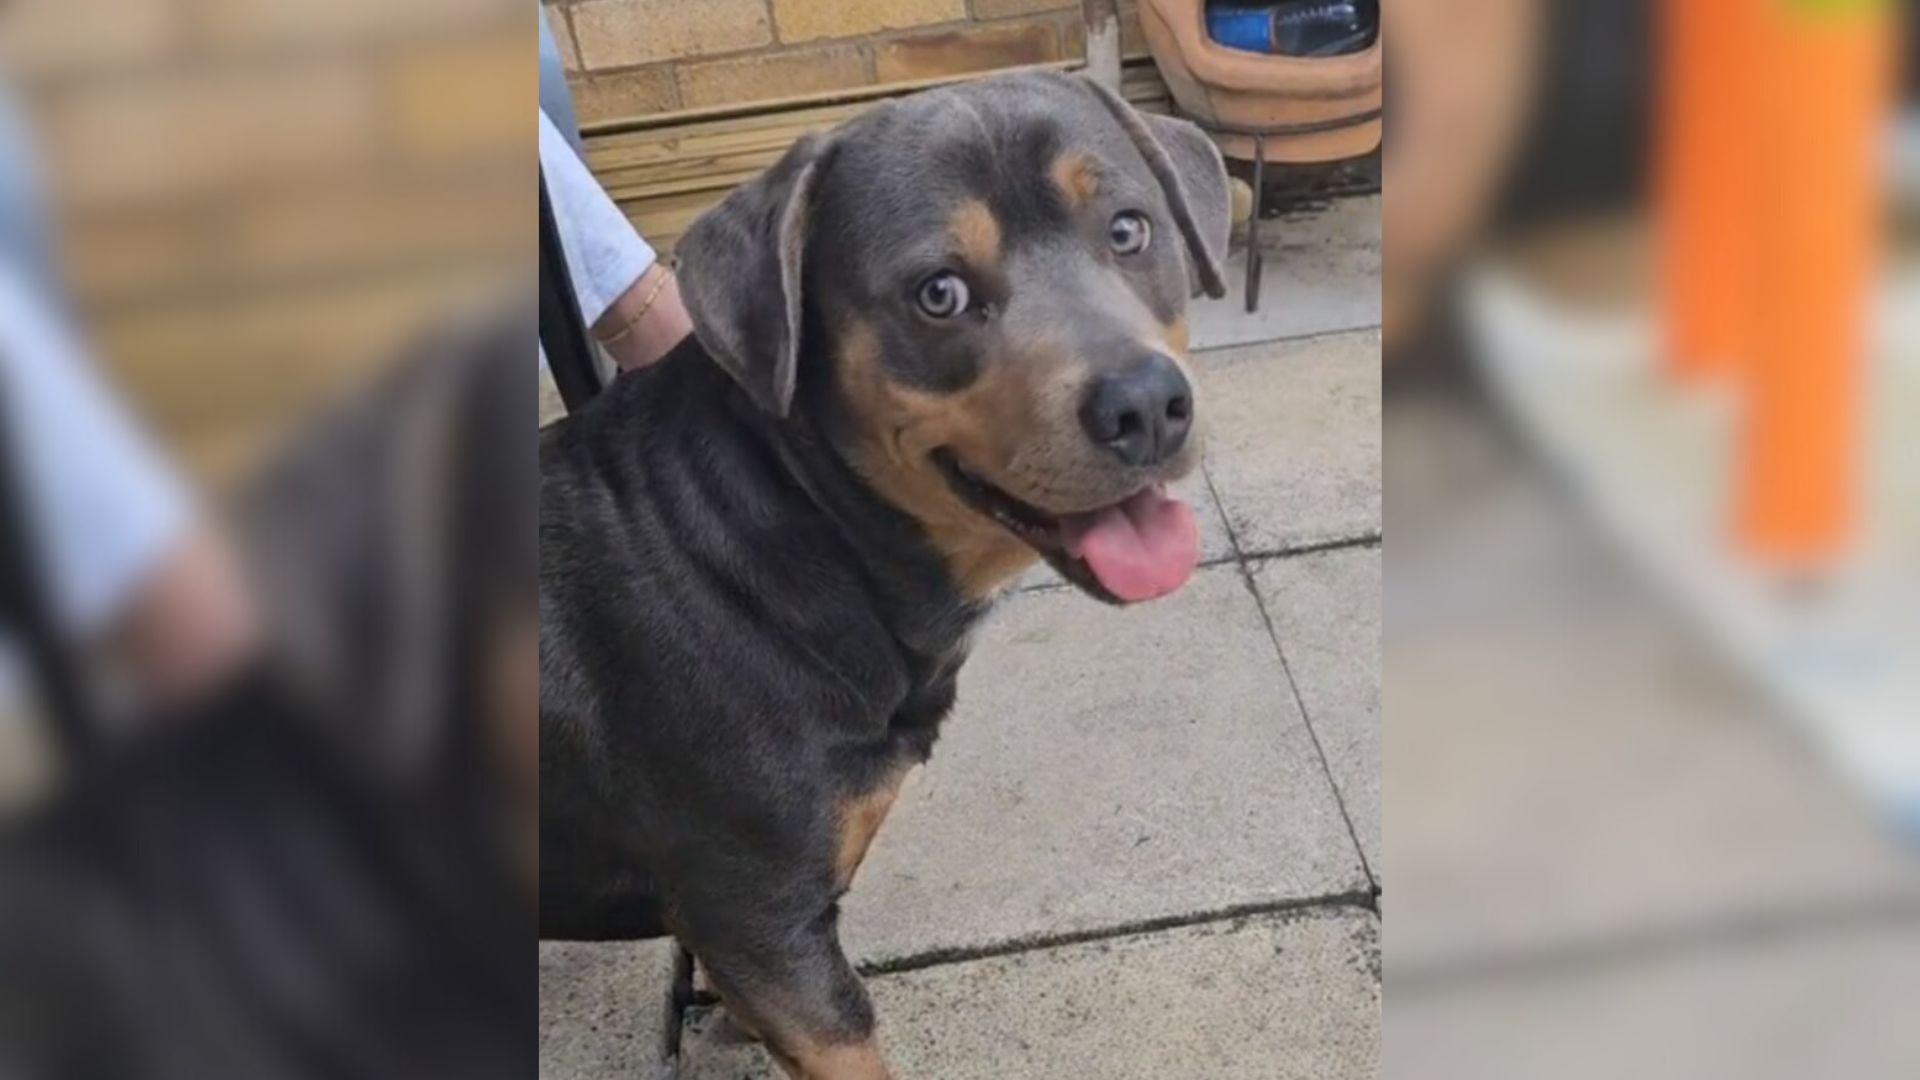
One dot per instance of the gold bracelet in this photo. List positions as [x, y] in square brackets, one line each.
[645, 305]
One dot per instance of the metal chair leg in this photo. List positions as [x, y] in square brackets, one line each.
[1254, 256]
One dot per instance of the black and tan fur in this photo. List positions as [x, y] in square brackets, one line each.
[758, 579]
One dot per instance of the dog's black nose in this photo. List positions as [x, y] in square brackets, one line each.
[1141, 414]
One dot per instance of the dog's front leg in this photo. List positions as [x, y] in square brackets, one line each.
[785, 979]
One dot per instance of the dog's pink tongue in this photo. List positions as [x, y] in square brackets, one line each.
[1143, 548]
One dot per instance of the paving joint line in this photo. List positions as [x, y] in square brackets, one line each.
[1286, 669]
[1311, 335]
[1369, 539]
[1356, 899]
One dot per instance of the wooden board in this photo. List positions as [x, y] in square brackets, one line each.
[665, 171]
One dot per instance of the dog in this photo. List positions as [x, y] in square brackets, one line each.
[932, 346]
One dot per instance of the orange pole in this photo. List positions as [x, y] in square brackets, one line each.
[1705, 158]
[1823, 108]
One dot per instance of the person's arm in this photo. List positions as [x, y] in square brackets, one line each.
[626, 294]
[644, 323]
[137, 575]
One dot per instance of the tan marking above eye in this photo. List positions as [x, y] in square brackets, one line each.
[975, 232]
[1077, 176]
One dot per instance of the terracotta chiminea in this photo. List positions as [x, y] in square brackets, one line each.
[1263, 107]
[1303, 109]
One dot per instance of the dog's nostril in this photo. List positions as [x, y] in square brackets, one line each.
[1180, 408]
[1128, 425]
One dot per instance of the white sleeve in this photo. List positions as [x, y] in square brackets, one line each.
[103, 504]
[605, 256]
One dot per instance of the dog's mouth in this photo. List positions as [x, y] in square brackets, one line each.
[1139, 548]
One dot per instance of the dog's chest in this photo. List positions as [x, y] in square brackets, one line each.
[933, 687]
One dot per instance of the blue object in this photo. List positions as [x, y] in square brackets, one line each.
[1242, 28]
[1296, 27]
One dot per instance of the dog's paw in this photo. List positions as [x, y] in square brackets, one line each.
[715, 1026]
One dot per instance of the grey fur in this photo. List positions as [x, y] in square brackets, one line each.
[1190, 168]
[871, 196]
[756, 236]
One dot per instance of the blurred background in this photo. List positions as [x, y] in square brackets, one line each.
[1653, 478]
[252, 201]
[1653, 372]
[237, 212]
[267, 355]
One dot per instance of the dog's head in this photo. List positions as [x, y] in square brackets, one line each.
[980, 293]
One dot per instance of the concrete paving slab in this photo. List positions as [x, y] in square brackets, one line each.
[605, 1009]
[1322, 275]
[1215, 544]
[1832, 1001]
[1325, 608]
[1106, 766]
[1293, 439]
[1294, 997]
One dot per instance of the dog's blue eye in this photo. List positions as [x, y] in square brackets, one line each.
[943, 295]
[1129, 232]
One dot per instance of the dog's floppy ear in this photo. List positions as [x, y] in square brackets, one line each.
[740, 275]
[1190, 171]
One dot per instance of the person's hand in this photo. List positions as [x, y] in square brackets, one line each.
[646, 321]
[188, 626]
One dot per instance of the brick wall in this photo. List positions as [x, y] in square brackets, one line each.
[635, 57]
[257, 200]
